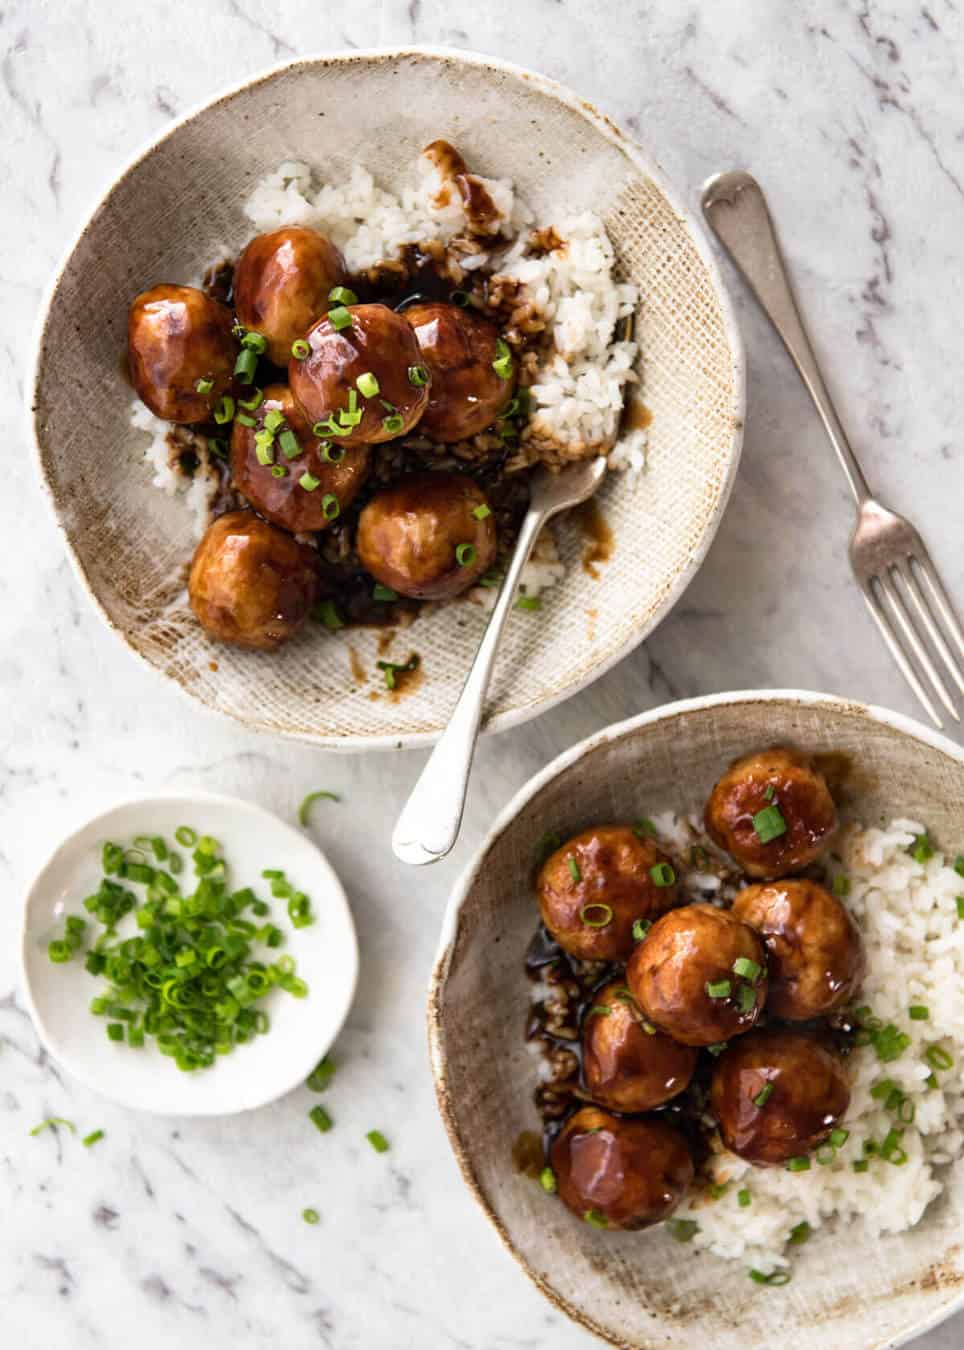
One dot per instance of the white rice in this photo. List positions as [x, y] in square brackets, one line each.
[907, 915]
[198, 489]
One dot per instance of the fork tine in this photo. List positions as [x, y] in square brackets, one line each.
[910, 583]
[906, 669]
[940, 597]
[896, 606]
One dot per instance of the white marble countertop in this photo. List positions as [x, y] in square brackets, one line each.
[183, 1233]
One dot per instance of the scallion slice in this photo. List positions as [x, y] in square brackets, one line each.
[367, 385]
[203, 386]
[595, 1218]
[764, 1095]
[90, 1139]
[309, 482]
[547, 1180]
[321, 795]
[747, 969]
[341, 295]
[321, 1075]
[529, 602]
[918, 1012]
[574, 869]
[245, 419]
[465, 555]
[683, 1230]
[290, 445]
[330, 506]
[224, 409]
[279, 471]
[718, 988]
[393, 423]
[769, 824]
[482, 512]
[274, 420]
[800, 1164]
[596, 915]
[339, 318]
[310, 1216]
[52, 1122]
[502, 365]
[246, 365]
[662, 874]
[384, 593]
[743, 1198]
[378, 1141]
[300, 349]
[255, 342]
[418, 376]
[253, 401]
[640, 928]
[320, 1118]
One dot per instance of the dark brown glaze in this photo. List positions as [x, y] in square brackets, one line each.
[281, 285]
[176, 336]
[627, 1064]
[251, 585]
[685, 951]
[778, 777]
[283, 500]
[598, 537]
[458, 348]
[480, 210]
[815, 955]
[810, 1095]
[623, 1173]
[379, 342]
[409, 534]
[608, 866]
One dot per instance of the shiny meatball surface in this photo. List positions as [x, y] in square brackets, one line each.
[458, 348]
[777, 1095]
[621, 1173]
[251, 584]
[285, 500]
[593, 889]
[784, 784]
[281, 285]
[815, 955]
[686, 975]
[627, 1064]
[378, 342]
[178, 338]
[429, 536]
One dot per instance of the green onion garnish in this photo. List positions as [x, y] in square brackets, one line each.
[51, 1122]
[279, 471]
[764, 1095]
[917, 1012]
[769, 824]
[264, 453]
[644, 828]
[321, 795]
[839, 1137]
[482, 512]
[418, 376]
[185, 836]
[530, 602]
[310, 1216]
[747, 969]
[891, 1150]
[393, 669]
[889, 1042]
[921, 850]
[774, 1279]
[274, 420]
[931, 1081]
[717, 1189]
[245, 366]
[341, 295]
[90, 1139]
[841, 885]
[255, 343]
[800, 1164]
[938, 1058]
[959, 902]
[465, 555]
[253, 401]
[599, 1010]
[718, 1048]
[331, 454]
[245, 419]
[330, 506]
[339, 318]
[385, 593]
[746, 998]
[770, 792]
[825, 1154]
[204, 386]
[683, 1230]
[959, 864]
[860, 1165]
[224, 409]
[718, 988]
[290, 445]
[309, 482]
[321, 1075]
[502, 365]
[320, 1118]
[743, 1198]
[393, 423]
[574, 869]
[662, 874]
[596, 915]
[640, 928]
[218, 446]
[367, 384]
[799, 1233]
[595, 1218]
[547, 1180]
[300, 349]
[378, 1141]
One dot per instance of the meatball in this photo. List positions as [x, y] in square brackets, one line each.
[618, 1173]
[251, 584]
[281, 285]
[358, 379]
[458, 348]
[592, 890]
[429, 536]
[777, 1095]
[772, 811]
[815, 956]
[627, 1064]
[180, 352]
[319, 481]
[699, 975]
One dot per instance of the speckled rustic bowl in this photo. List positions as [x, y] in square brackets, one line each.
[848, 1292]
[174, 209]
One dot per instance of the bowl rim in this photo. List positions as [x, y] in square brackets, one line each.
[896, 721]
[647, 165]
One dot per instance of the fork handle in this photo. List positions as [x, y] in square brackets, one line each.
[736, 209]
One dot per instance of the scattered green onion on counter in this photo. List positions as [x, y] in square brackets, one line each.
[378, 1141]
[312, 797]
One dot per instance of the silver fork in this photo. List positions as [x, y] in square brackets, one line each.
[887, 554]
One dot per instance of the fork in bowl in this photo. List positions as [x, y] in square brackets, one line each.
[900, 584]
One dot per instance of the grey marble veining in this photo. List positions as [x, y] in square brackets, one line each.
[182, 1233]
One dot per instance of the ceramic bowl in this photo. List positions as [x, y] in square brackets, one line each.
[180, 204]
[644, 1290]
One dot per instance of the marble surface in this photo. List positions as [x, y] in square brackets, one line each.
[177, 1233]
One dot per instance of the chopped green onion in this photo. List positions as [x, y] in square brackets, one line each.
[185, 836]
[378, 1141]
[418, 376]
[320, 1118]
[662, 874]
[825, 1154]
[839, 1137]
[938, 1058]
[380, 592]
[799, 1233]
[59, 951]
[770, 792]
[531, 602]
[921, 850]
[279, 471]
[224, 409]
[747, 969]
[891, 1150]
[502, 365]
[341, 295]
[290, 445]
[309, 482]
[769, 824]
[204, 386]
[482, 512]
[547, 1180]
[640, 928]
[683, 1230]
[392, 668]
[300, 349]
[764, 1095]
[959, 864]
[718, 988]
[717, 1189]
[595, 1218]
[53, 1121]
[799, 1164]
[274, 420]
[367, 385]
[90, 1139]
[115, 1031]
[245, 419]
[310, 1216]
[218, 446]
[321, 795]
[393, 423]
[774, 1279]
[841, 885]
[917, 1012]
[604, 915]
[264, 454]
[574, 869]
[746, 998]
[465, 555]
[245, 366]
[339, 318]
[743, 1198]
[717, 1049]
[321, 1075]
[331, 454]
[860, 1165]
[255, 343]
[959, 902]
[253, 401]
[599, 1010]
[931, 1081]
[644, 828]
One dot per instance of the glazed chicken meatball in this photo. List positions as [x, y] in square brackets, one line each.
[627, 1064]
[619, 1173]
[777, 1095]
[699, 975]
[180, 352]
[282, 283]
[815, 956]
[772, 812]
[459, 348]
[429, 536]
[251, 584]
[320, 479]
[592, 890]
[359, 376]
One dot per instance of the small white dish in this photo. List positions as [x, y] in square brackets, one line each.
[325, 952]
